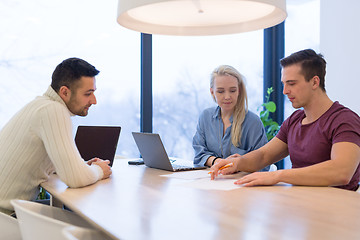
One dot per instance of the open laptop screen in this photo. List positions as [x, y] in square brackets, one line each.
[97, 141]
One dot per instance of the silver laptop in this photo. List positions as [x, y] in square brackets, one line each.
[97, 141]
[154, 155]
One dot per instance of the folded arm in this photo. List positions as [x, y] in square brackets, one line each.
[55, 130]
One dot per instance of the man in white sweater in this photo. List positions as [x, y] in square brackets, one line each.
[38, 140]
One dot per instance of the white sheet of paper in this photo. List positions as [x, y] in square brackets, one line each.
[201, 180]
[224, 184]
[189, 175]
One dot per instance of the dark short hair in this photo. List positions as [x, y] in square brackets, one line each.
[70, 71]
[311, 63]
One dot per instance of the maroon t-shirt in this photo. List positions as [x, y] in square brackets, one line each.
[311, 143]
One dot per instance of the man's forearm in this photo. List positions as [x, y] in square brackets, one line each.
[321, 174]
[252, 161]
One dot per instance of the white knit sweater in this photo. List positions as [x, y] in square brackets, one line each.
[36, 142]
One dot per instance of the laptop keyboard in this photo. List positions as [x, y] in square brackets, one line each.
[177, 166]
[182, 165]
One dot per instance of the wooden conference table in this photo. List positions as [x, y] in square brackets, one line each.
[138, 203]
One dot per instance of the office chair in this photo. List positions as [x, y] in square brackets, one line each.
[43, 222]
[272, 168]
[78, 233]
[9, 227]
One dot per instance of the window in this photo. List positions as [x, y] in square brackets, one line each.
[181, 78]
[37, 35]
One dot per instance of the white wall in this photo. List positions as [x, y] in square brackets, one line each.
[340, 45]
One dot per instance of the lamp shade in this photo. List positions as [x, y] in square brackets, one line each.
[200, 17]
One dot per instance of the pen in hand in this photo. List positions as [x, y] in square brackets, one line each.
[223, 167]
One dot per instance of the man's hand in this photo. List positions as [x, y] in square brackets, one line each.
[104, 164]
[91, 161]
[259, 179]
[215, 170]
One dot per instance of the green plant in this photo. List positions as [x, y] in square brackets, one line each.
[43, 194]
[271, 127]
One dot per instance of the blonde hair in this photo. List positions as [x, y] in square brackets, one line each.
[241, 107]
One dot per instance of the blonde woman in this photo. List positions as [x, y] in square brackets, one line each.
[230, 127]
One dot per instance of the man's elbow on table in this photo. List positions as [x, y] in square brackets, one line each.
[342, 179]
[78, 184]
[82, 179]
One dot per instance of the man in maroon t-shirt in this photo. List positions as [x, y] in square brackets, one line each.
[322, 139]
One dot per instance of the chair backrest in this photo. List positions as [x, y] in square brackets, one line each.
[78, 233]
[39, 221]
[9, 227]
[273, 168]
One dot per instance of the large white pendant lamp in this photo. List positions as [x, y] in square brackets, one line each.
[200, 17]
